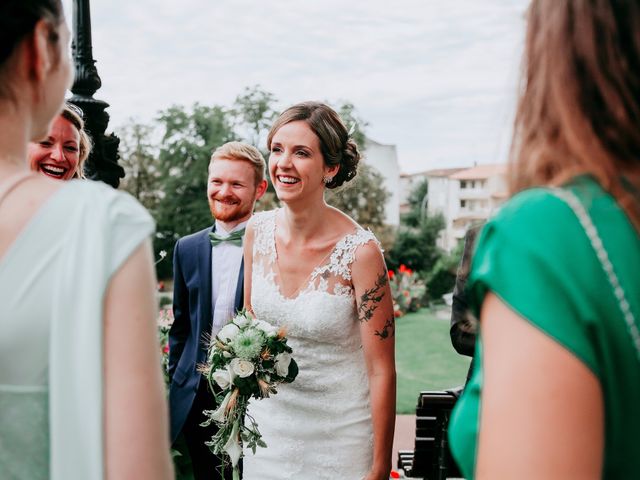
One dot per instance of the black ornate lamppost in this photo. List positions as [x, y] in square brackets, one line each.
[102, 164]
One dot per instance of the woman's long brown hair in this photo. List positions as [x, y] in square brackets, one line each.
[579, 108]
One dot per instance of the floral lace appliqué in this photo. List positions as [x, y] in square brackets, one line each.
[264, 225]
[318, 427]
[344, 253]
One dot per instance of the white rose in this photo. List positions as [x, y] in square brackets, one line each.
[242, 321]
[242, 368]
[228, 332]
[222, 378]
[268, 329]
[226, 354]
[282, 364]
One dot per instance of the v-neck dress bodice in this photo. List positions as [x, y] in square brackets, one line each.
[319, 426]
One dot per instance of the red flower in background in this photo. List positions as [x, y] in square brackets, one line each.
[404, 269]
[407, 290]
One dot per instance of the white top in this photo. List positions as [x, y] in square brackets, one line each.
[53, 280]
[226, 259]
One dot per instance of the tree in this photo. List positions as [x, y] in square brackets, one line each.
[417, 205]
[254, 113]
[416, 247]
[442, 277]
[415, 244]
[352, 120]
[139, 158]
[363, 198]
[169, 177]
[189, 137]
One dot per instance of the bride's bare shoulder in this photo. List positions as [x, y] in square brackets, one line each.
[341, 223]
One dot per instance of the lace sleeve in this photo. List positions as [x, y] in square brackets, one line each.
[345, 252]
[264, 239]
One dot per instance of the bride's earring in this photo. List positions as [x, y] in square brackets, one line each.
[327, 179]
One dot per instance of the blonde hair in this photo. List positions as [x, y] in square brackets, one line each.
[73, 114]
[579, 109]
[242, 152]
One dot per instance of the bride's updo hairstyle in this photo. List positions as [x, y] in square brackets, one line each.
[17, 20]
[336, 145]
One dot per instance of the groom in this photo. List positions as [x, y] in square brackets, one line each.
[208, 273]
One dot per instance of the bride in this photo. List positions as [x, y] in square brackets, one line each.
[313, 270]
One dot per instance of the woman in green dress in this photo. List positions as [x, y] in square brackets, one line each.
[555, 279]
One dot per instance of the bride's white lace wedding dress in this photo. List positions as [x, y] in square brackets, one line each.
[319, 426]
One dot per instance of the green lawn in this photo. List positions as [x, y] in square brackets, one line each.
[425, 359]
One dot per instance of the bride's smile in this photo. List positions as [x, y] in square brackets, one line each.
[296, 164]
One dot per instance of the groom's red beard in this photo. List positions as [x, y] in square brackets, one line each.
[229, 209]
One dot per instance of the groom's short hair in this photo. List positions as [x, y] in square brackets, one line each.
[242, 152]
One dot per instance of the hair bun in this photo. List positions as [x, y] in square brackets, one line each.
[348, 164]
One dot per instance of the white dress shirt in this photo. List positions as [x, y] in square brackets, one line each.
[226, 259]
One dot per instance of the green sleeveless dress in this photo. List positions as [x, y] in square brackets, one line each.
[52, 284]
[537, 258]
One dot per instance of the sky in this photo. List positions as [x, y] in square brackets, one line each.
[435, 78]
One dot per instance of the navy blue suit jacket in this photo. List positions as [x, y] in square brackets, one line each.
[192, 311]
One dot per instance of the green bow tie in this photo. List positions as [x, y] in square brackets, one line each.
[234, 238]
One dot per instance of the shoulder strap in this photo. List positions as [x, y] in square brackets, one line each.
[264, 239]
[12, 182]
[596, 242]
[344, 252]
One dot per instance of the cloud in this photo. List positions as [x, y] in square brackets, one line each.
[435, 78]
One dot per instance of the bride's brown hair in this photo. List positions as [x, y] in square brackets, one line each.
[338, 148]
[579, 108]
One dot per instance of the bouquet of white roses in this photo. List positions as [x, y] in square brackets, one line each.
[248, 358]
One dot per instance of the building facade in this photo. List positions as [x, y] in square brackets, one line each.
[384, 159]
[463, 196]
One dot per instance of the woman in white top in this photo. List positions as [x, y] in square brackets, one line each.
[81, 394]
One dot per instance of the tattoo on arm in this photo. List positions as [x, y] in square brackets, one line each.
[389, 329]
[370, 299]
